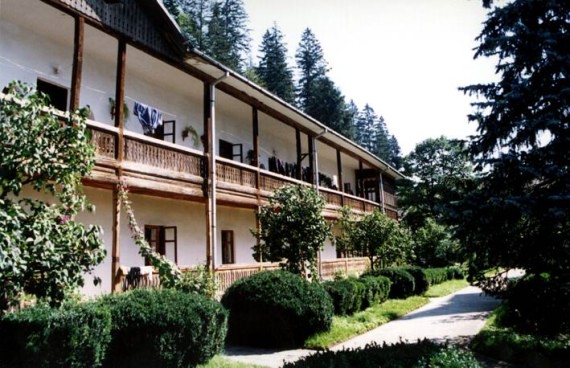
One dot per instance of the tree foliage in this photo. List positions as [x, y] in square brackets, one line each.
[43, 250]
[519, 214]
[435, 246]
[273, 70]
[293, 229]
[375, 236]
[311, 64]
[438, 171]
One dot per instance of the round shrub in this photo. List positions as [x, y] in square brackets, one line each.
[377, 289]
[342, 295]
[421, 283]
[75, 335]
[164, 328]
[276, 309]
[402, 282]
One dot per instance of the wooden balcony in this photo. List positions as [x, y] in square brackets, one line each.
[154, 165]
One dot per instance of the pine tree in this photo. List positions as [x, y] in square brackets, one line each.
[311, 64]
[227, 34]
[365, 128]
[519, 216]
[395, 153]
[382, 147]
[327, 105]
[273, 70]
[192, 16]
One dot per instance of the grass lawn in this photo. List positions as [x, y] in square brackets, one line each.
[345, 327]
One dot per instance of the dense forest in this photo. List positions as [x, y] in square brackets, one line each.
[219, 28]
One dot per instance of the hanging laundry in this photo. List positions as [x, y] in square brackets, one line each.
[149, 117]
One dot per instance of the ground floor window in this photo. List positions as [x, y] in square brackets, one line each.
[162, 240]
[228, 255]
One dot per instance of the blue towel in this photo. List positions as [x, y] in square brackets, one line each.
[149, 117]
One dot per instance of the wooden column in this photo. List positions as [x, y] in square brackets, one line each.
[312, 161]
[340, 176]
[299, 154]
[119, 152]
[206, 141]
[382, 198]
[77, 62]
[255, 129]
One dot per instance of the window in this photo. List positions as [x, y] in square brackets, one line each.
[165, 131]
[162, 240]
[57, 95]
[230, 151]
[228, 255]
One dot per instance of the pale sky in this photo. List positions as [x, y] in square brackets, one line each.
[405, 58]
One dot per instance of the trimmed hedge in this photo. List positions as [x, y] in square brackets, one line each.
[436, 275]
[421, 283]
[377, 289]
[403, 284]
[343, 293]
[400, 355]
[455, 273]
[276, 309]
[164, 328]
[76, 335]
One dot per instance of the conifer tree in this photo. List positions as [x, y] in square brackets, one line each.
[311, 64]
[365, 125]
[519, 216]
[227, 34]
[273, 71]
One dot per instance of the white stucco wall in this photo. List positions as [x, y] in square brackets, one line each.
[240, 221]
[42, 56]
[188, 217]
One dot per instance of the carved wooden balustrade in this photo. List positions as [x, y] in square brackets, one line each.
[153, 157]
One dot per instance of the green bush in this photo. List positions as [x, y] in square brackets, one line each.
[276, 309]
[538, 304]
[436, 275]
[164, 328]
[75, 335]
[402, 282]
[421, 283]
[377, 289]
[400, 355]
[342, 292]
[449, 357]
[455, 273]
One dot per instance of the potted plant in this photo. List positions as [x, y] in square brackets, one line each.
[190, 131]
[125, 109]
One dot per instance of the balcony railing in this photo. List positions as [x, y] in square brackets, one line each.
[153, 157]
[344, 266]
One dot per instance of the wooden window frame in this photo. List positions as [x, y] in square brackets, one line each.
[159, 244]
[228, 257]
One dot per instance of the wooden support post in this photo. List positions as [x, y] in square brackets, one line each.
[340, 176]
[255, 129]
[206, 141]
[77, 62]
[299, 173]
[382, 198]
[312, 161]
[119, 152]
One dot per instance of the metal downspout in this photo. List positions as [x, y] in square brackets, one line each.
[212, 169]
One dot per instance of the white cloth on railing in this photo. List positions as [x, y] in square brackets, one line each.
[149, 117]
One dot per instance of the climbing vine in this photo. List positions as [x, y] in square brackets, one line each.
[168, 272]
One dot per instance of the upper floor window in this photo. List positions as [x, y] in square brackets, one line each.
[57, 94]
